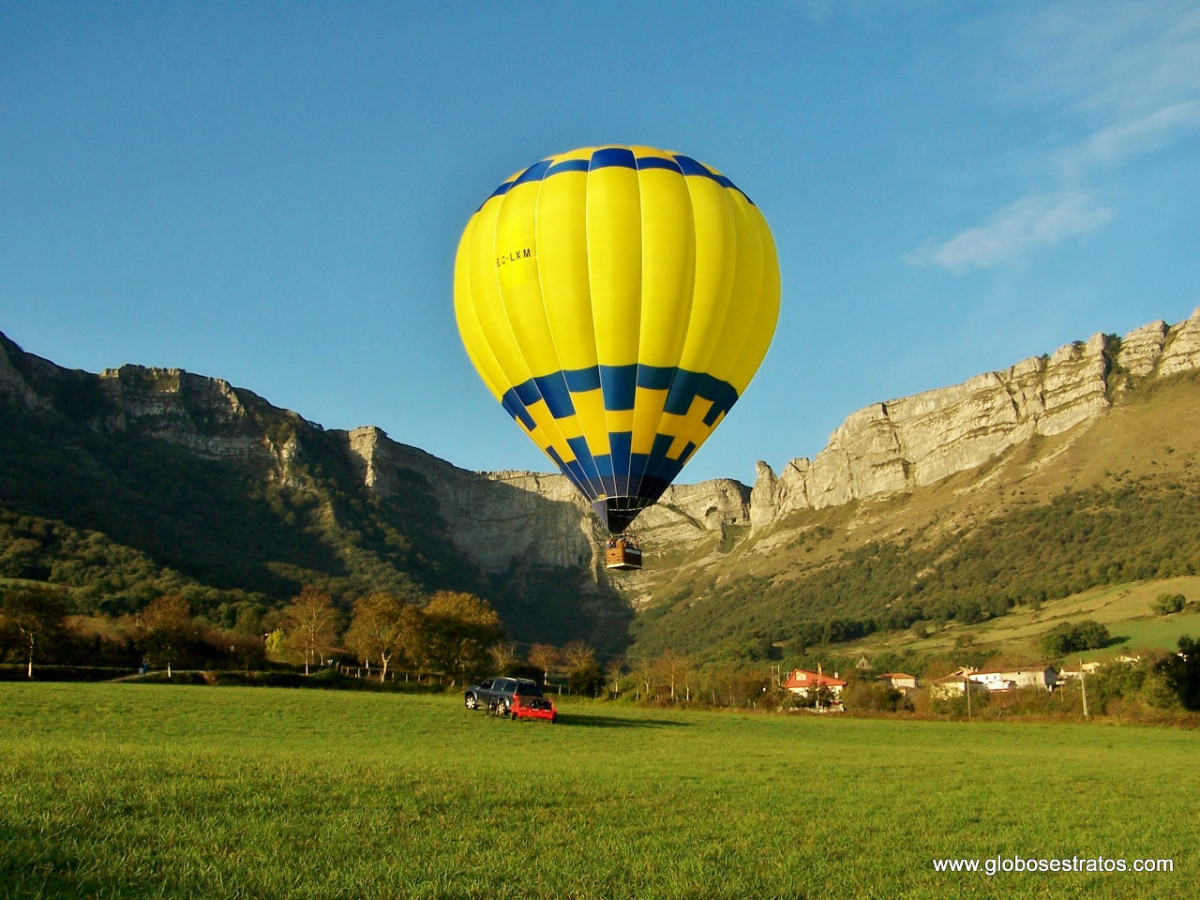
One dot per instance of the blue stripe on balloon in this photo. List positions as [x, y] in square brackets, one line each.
[660, 446]
[658, 162]
[655, 378]
[568, 165]
[620, 445]
[604, 469]
[515, 408]
[581, 380]
[619, 384]
[554, 390]
[527, 392]
[579, 447]
[536, 172]
[613, 156]
[607, 157]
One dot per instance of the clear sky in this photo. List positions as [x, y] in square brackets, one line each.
[272, 193]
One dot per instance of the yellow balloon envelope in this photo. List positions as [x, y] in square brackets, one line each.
[617, 301]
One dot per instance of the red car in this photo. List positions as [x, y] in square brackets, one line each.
[533, 708]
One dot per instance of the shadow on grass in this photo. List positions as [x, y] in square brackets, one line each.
[585, 721]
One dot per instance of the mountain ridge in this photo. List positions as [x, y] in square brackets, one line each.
[379, 512]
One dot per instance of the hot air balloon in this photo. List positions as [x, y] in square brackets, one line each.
[616, 301]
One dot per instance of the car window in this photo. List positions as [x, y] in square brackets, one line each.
[486, 684]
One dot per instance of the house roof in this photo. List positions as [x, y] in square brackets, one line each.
[897, 675]
[953, 676]
[804, 678]
[1014, 670]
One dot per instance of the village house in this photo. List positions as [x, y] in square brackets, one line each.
[1089, 668]
[802, 682]
[900, 681]
[1045, 677]
[954, 684]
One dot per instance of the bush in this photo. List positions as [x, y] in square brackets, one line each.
[873, 695]
[1068, 638]
[1165, 604]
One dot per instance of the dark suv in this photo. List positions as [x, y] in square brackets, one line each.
[500, 691]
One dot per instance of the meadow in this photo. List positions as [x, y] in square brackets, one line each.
[137, 791]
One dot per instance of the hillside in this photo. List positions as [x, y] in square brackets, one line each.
[136, 482]
[1115, 501]
[1061, 474]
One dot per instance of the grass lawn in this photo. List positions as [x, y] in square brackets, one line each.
[132, 790]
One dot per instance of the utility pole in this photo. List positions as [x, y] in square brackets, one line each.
[1083, 688]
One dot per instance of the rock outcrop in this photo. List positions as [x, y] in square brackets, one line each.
[900, 445]
[495, 518]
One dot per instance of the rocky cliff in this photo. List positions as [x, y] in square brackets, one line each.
[885, 449]
[904, 444]
[509, 522]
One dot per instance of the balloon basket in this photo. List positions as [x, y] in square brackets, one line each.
[622, 554]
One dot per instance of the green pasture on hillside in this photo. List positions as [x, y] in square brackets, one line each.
[133, 790]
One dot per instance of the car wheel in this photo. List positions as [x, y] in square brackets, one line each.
[472, 701]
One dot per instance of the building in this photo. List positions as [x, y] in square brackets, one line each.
[1089, 668]
[1044, 677]
[802, 683]
[900, 681]
[954, 684]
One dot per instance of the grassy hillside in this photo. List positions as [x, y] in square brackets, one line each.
[1111, 502]
[1124, 609]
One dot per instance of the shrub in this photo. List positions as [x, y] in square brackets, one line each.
[1071, 638]
[1165, 604]
[873, 695]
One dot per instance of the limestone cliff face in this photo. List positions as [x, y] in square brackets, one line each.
[504, 521]
[502, 518]
[205, 415]
[497, 518]
[903, 444]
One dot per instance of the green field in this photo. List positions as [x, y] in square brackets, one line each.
[132, 790]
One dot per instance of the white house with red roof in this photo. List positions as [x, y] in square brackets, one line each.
[803, 683]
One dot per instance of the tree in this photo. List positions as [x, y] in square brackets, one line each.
[167, 629]
[459, 630]
[545, 657]
[503, 656]
[311, 624]
[613, 669]
[673, 668]
[584, 674]
[382, 627]
[1165, 604]
[1182, 671]
[865, 693]
[1067, 638]
[37, 616]
[578, 654]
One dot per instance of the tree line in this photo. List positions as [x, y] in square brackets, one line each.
[451, 635]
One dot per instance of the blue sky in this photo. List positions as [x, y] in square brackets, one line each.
[272, 193]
